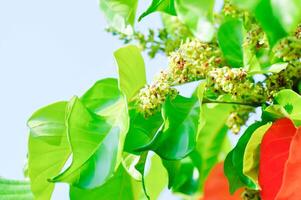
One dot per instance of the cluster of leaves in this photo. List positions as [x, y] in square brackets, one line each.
[127, 139]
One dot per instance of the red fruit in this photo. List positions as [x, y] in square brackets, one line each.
[217, 187]
[274, 152]
[291, 185]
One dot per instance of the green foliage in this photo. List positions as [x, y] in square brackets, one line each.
[127, 139]
[119, 186]
[287, 103]
[198, 16]
[119, 13]
[234, 162]
[48, 148]
[166, 6]
[131, 70]
[212, 136]
[230, 37]
[251, 155]
[15, 190]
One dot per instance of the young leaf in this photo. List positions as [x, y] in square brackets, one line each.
[230, 38]
[120, 14]
[131, 70]
[274, 151]
[212, 136]
[217, 187]
[120, 187]
[178, 136]
[182, 175]
[86, 131]
[103, 94]
[234, 162]
[198, 16]
[251, 156]
[288, 13]
[48, 148]
[153, 184]
[270, 24]
[166, 6]
[96, 141]
[291, 102]
[142, 130]
[15, 190]
[290, 188]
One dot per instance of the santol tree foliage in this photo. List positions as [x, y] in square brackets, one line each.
[130, 139]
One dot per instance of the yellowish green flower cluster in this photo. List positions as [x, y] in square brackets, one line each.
[234, 81]
[190, 62]
[249, 194]
[193, 60]
[151, 97]
[256, 38]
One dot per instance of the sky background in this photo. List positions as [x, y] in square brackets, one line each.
[50, 51]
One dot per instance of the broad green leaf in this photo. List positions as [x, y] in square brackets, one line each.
[131, 70]
[142, 130]
[96, 142]
[119, 187]
[120, 14]
[178, 135]
[182, 175]
[233, 167]
[155, 178]
[166, 6]
[270, 24]
[48, 148]
[230, 38]
[288, 13]
[287, 103]
[86, 132]
[129, 162]
[198, 16]
[103, 94]
[212, 136]
[274, 68]
[15, 190]
[245, 4]
[251, 155]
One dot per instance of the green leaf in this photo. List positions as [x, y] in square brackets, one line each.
[274, 68]
[142, 130]
[178, 135]
[291, 102]
[48, 148]
[182, 174]
[166, 6]
[230, 38]
[15, 190]
[120, 187]
[198, 16]
[103, 94]
[245, 4]
[270, 24]
[212, 137]
[154, 185]
[288, 13]
[233, 166]
[119, 13]
[96, 142]
[131, 70]
[86, 131]
[251, 155]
